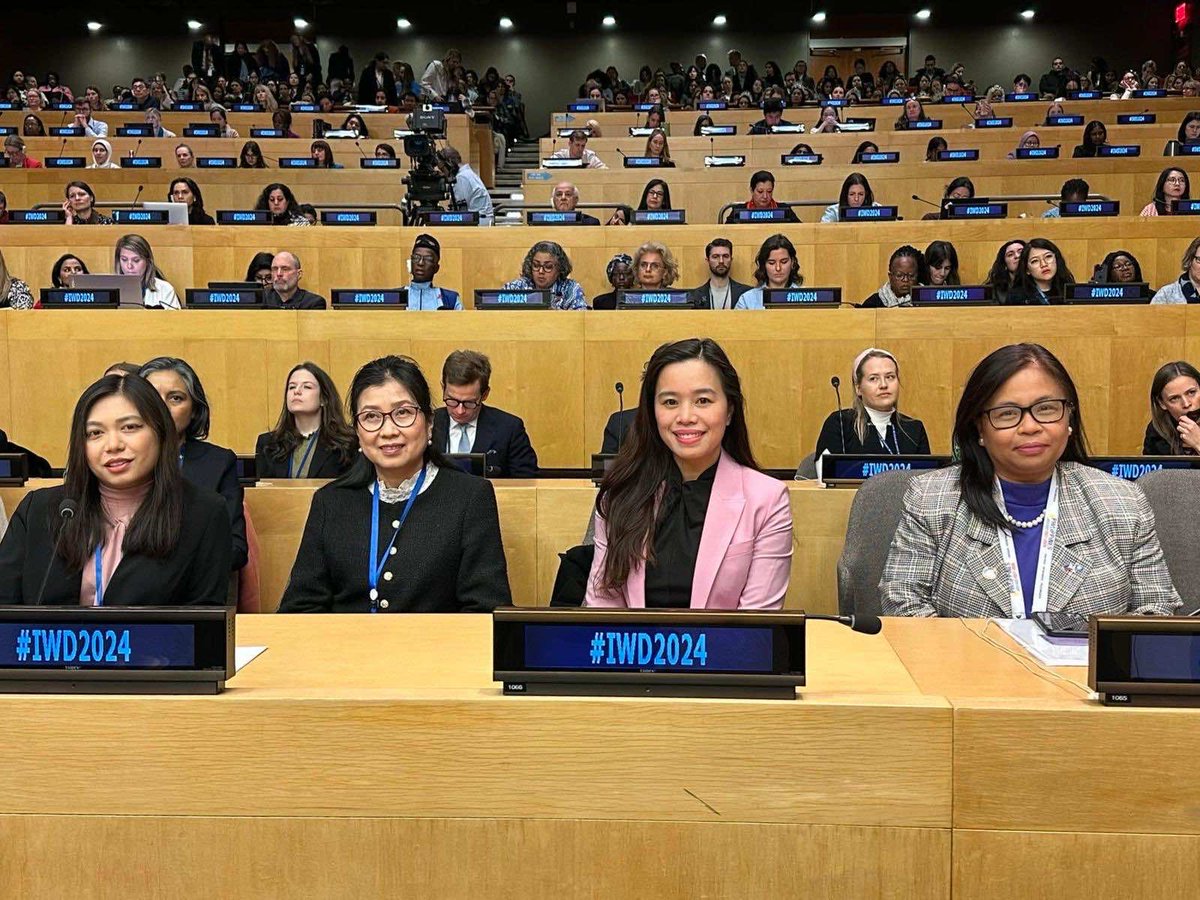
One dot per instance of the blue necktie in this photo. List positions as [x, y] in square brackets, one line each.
[464, 440]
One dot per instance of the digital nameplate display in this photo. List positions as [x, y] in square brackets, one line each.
[247, 469]
[243, 217]
[1077, 208]
[1149, 94]
[1131, 468]
[994, 122]
[645, 107]
[1145, 660]
[952, 295]
[655, 300]
[216, 162]
[245, 107]
[348, 217]
[724, 162]
[512, 299]
[80, 298]
[13, 468]
[1085, 95]
[214, 298]
[786, 129]
[801, 159]
[1136, 119]
[718, 130]
[1119, 150]
[1064, 120]
[134, 131]
[584, 106]
[66, 131]
[141, 216]
[893, 101]
[648, 653]
[1021, 97]
[802, 298]
[1187, 207]
[124, 107]
[5, 131]
[858, 125]
[963, 155]
[368, 298]
[833, 101]
[378, 162]
[113, 649]
[141, 162]
[852, 468]
[562, 132]
[65, 162]
[297, 162]
[267, 133]
[976, 210]
[887, 156]
[711, 105]
[1037, 153]
[643, 162]
[37, 216]
[188, 107]
[869, 213]
[1134, 292]
[553, 217]
[780, 214]
[660, 217]
[641, 131]
[202, 131]
[925, 125]
[440, 217]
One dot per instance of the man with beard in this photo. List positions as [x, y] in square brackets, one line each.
[720, 291]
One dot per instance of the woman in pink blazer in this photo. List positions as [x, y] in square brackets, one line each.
[684, 517]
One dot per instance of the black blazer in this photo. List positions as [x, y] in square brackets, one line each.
[367, 86]
[196, 573]
[1154, 445]
[910, 433]
[702, 296]
[302, 299]
[615, 430]
[325, 462]
[788, 216]
[500, 437]
[209, 466]
[38, 467]
[449, 556]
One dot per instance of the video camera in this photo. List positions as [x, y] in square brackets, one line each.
[428, 186]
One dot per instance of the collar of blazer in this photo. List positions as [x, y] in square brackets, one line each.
[1074, 527]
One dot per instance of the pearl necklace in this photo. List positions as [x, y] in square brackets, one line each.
[1032, 523]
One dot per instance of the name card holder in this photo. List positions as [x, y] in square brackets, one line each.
[646, 107]
[976, 210]
[202, 131]
[368, 298]
[668, 299]
[243, 217]
[1136, 119]
[14, 469]
[64, 162]
[883, 157]
[1149, 94]
[852, 469]
[801, 159]
[1085, 95]
[5, 131]
[1021, 97]
[188, 106]
[267, 133]
[349, 217]
[659, 217]
[511, 299]
[869, 213]
[1055, 121]
[378, 162]
[836, 102]
[802, 298]
[584, 106]
[80, 298]
[1102, 294]
[245, 107]
[893, 101]
[1145, 660]
[297, 162]
[247, 470]
[1174, 148]
[1037, 152]
[142, 131]
[561, 162]
[780, 214]
[553, 217]
[642, 162]
[305, 107]
[858, 125]
[718, 130]
[1073, 209]
[711, 105]
[786, 129]
[37, 217]
[642, 130]
[1187, 207]
[963, 155]
[440, 217]
[124, 107]
[953, 295]
[141, 162]
[66, 131]
[1119, 150]
[566, 132]
[957, 99]
[995, 122]
[1131, 468]
[216, 162]
[925, 125]
[221, 298]
[724, 162]
[141, 217]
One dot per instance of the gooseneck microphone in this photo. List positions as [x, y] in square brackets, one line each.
[361, 152]
[863, 623]
[936, 206]
[620, 388]
[66, 512]
[621, 153]
[141, 187]
[137, 147]
[61, 148]
[837, 391]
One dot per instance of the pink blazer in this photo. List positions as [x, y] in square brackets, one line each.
[745, 551]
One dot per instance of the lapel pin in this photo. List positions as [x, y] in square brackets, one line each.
[989, 573]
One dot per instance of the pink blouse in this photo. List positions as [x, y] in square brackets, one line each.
[119, 506]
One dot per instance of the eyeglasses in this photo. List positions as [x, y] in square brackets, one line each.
[1045, 412]
[468, 405]
[650, 265]
[543, 266]
[654, 193]
[372, 419]
[903, 276]
[1175, 179]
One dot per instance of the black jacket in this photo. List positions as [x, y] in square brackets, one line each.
[788, 216]
[702, 296]
[367, 86]
[908, 431]
[302, 299]
[196, 573]
[500, 436]
[761, 126]
[209, 466]
[325, 462]
[449, 556]
[38, 466]
[616, 429]
[1154, 445]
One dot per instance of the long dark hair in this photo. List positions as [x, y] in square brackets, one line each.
[1086, 147]
[251, 145]
[1161, 419]
[334, 432]
[1190, 117]
[852, 179]
[998, 276]
[1062, 274]
[54, 276]
[628, 498]
[405, 371]
[293, 208]
[771, 244]
[1160, 199]
[197, 209]
[939, 252]
[666, 189]
[154, 529]
[978, 472]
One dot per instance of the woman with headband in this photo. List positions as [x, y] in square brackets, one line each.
[873, 423]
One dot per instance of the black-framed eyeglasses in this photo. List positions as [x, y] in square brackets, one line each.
[1045, 412]
[372, 419]
[468, 405]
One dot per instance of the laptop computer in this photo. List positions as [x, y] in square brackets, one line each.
[176, 212]
[130, 287]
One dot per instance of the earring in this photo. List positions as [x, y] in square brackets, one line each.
[1070, 430]
[981, 442]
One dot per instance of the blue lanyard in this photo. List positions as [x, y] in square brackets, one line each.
[99, 579]
[373, 567]
[312, 442]
[895, 436]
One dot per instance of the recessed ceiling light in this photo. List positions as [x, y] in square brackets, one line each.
[719, 20]
[506, 22]
[300, 24]
[403, 24]
[609, 21]
[924, 14]
[193, 25]
[94, 26]
[1027, 14]
[818, 17]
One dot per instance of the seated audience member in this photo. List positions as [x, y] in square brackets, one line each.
[904, 270]
[66, 267]
[311, 438]
[667, 534]
[80, 205]
[83, 119]
[874, 424]
[802, 149]
[14, 293]
[14, 151]
[1095, 136]
[170, 539]
[424, 263]
[1041, 277]
[251, 156]
[32, 126]
[309, 212]
[762, 196]
[218, 116]
[322, 153]
[142, 99]
[102, 155]
[1003, 273]
[37, 466]
[204, 464]
[1074, 190]
[775, 266]
[259, 270]
[864, 147]
[547, 267]
[1186, 288]
[186, 191]
[577, 149]
[828, 122]
[935, 146]
[1029, 141]
[772, 116]
[154, 120]
[656, 146]
[656, 195]
[565, 197]
[282, 119]
[719, 291]
[656, 117]
[856, 191]
[133, 256]
[285, 292]
[941, 264]
[357, 124]
[619, 273]
[121, 369]
[428, 533]
[654, 267]
[1173, 185]
[4, 217]
[704, 121]
[621, 215]
[1174, 412]
[280, 202]
[913, 111]
[1118, 267]
[961, 188]
[970, 541]
[1189, 133]
[185, 156]
[465, 424]
[385, 151]
[470, 193]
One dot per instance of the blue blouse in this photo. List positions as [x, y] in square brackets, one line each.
[1025, 502]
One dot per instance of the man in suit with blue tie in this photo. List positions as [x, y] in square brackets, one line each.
[466, 425]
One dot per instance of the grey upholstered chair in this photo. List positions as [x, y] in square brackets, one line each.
[1173, 495]
[874, 518]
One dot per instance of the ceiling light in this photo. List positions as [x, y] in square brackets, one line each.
[924, 14]
[94, 26]
[300, 24]
[719, 20]
[193, 25]
[506, 22]
[403, 24]
[1027, 14]
[818, 17]
[609, 21]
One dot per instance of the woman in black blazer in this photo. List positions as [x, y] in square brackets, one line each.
[203, 464]
[311, 438]
[124, 529]
[404, 530]
[874, 424]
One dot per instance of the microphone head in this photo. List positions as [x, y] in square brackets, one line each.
[866, 623]
[835, 381]
[915, 197]
[620, 387]
[67, 509]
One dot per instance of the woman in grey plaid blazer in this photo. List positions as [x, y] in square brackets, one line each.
[1023, 523]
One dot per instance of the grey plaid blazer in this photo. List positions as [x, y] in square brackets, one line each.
[945, 561]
